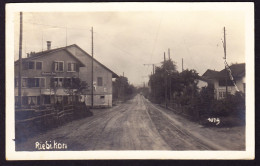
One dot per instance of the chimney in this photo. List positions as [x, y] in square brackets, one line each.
[48, 45]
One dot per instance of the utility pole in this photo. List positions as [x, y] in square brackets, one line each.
[92, 69]
[42, 41]
[153, 68]
[20, 62]
[169, 54]
[151, 64]
[66, 36]
[182, 64]
[165, 82]
[170, 78]
[225, 57]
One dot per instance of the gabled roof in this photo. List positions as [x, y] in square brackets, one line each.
[114, 75]
[209, 74]
[48, 52]
[238, 70]
[203, 79]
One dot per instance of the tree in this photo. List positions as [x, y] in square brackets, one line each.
[122, 89]
[189, 89]
[75, 87]
[164, 77]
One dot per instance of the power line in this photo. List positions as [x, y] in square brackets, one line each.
[156, 38]
[54, 26]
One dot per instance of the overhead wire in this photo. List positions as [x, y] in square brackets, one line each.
[155, 41]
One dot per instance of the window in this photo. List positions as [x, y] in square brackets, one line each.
[24, 82]
[32, 100]
[58, 66]
[102, 97]
[58, 82]
[67, 82]
[42, 82]
[34, 82]
[38, 100]
[24, 100]
[37, 82]
[31, 65]
[31, 82]
[47, 99]
[100, 81]
[71, 67]
[38, 65]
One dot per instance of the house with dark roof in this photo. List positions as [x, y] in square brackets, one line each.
[220, 79]
[60, 66]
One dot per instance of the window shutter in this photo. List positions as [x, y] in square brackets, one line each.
[42, 82]
[77, 67]
[52, 82]
[69, 66]
[53, 66]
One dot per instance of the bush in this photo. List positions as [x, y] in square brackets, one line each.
[232, 105]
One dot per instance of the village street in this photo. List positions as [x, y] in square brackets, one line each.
[138, 125]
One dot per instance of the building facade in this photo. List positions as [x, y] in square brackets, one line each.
[102, 78]
[46, 76]
[221, 80]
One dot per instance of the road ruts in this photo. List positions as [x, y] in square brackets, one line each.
[177, 137]
[134, 125]
[124, 127]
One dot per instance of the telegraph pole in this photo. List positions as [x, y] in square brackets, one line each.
[20, 62]
[92, 69]
[169, 54]
[66, 36]
[225, 57]
[165, 82]
[151, 64]
[182, 64]
[170, 78]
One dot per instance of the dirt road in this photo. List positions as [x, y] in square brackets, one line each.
[134, 125]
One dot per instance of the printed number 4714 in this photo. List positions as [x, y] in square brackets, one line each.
[214, 120]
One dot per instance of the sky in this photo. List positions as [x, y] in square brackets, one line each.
[125, 41]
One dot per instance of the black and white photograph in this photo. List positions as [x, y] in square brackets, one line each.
[130, 81]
